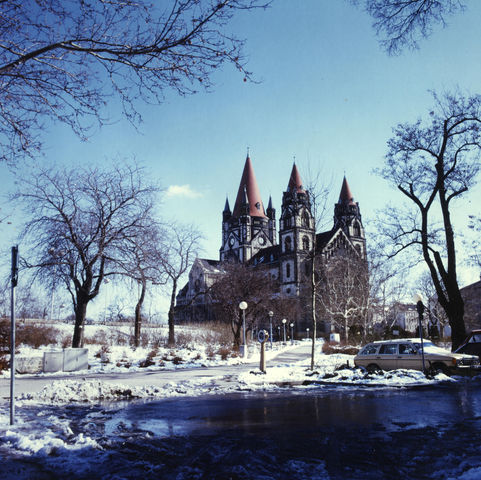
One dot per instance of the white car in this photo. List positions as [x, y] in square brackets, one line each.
[406, 353]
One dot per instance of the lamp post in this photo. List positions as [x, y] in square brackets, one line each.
[292, 333]
[418, 300]
[243, 306]
[271, 314]
[278, 333]
[307, 333]
[284, 321]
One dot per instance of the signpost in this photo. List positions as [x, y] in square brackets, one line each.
[14, 280]
[263, 336]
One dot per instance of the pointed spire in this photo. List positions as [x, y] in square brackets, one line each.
[269, 206]
[295, 182]
[248, 184]
[227, 206]
[346, 196]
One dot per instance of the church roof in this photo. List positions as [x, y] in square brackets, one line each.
[208, 265]
[295, 182]
[323, 238]
[266, 256]
[346, 196]
[248, 184]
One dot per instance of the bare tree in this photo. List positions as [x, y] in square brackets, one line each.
[432, 165]
[180, 247]
[318, 190]
[243, 283]
[140, 260]
[436, 315]
[400, 23]
[80, 221]
[388, 280]
[344, 293]
[63, 60]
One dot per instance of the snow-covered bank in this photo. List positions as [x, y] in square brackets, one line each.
[332, 370]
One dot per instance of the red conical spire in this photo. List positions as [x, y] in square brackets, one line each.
[249, 184]
[346, 196]
[295, 182]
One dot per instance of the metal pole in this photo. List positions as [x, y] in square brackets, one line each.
[244, 328]
[420, 309]
[14, 279]
[270, 327]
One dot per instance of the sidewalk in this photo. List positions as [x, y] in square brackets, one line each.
[159, 378]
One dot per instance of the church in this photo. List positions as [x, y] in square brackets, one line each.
[250, 236]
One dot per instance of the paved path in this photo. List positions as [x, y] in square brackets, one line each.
[33, 384]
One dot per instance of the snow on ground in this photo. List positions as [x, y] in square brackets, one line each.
[50, 437]
[335, 369]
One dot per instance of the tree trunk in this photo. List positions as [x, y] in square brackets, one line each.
[313, 308]
[455, 313]
[171, 341]
[138, 313]
[236, 330]
[80, 314]
[346, 331]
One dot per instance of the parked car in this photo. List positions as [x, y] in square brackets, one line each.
[406, 353]
[472, 344]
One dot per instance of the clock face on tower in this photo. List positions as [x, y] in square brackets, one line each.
[231, 241]
[262, 240]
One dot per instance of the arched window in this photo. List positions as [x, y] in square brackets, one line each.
[288, 270]
[288, 244]
[305, 220]
[357, 230]
[305, 243]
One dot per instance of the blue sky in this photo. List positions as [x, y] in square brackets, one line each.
[326, 94]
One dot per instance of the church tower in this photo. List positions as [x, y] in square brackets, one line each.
[347, 216]
[247, 229]
[296, 234]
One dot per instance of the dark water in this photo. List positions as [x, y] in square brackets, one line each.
[322, 434]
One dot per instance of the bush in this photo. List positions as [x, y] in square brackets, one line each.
[184, 340]
[149, 360]
[210, 352]
[224, 352]
[4, 363]
[100, 338]
[36, 335]
[4, 337]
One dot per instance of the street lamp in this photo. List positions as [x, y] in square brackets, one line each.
[284, 321]
[307, 333]
[292, 334]
[418, 300]
[278, 333]
[243, 306]
[271, 314]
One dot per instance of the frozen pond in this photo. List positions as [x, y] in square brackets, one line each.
[329, 433]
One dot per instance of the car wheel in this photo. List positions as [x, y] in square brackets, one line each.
[438, 368]
[373, 368]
